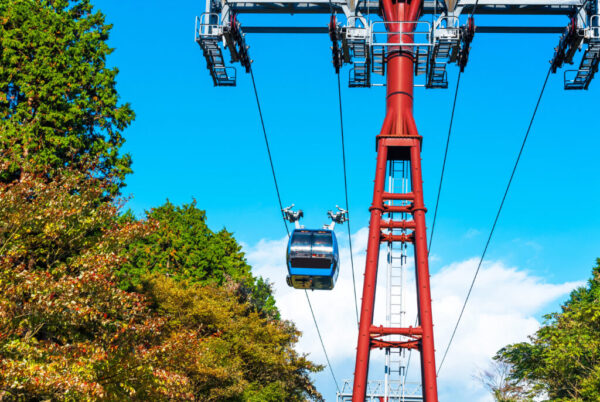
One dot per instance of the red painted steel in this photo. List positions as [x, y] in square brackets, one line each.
[410, 331]
[401, 209]
[395, 196]
[404, 238]
[398, 224]
[379, 344]
[398, 136]
[370, 282]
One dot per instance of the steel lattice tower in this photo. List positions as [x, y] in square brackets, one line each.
[398, 140]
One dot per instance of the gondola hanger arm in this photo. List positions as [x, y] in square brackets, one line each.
[293, 216]
[338, 217]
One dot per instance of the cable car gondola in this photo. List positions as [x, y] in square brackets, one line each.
[312, 254]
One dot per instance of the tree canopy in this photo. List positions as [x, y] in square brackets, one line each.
[184, 247]
[68, 331]
[94, 304]
[58, 101]
[561, 361]
[226, 350]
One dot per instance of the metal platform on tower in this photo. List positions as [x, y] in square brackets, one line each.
[360, 44]
[377, 391]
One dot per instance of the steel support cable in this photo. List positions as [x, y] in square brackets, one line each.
[346, 187]
[321, 340]
[474, 8]
[346, 193]
[262, 121]
[437, 201]
[512, 175]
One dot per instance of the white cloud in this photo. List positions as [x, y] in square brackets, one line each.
[501, 310]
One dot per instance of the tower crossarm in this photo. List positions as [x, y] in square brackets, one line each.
[349, 8]
[361, 40]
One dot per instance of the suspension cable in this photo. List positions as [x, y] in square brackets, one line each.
[346, 193]
[474, 8]
[321, 340]
[437, 201]
[262, 121]
[512, 175]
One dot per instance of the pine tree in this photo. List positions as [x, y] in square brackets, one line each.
[58, 102]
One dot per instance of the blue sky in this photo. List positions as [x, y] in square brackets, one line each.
[191, 140]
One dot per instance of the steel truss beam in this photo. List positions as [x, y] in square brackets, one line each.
[478, 29]
[445, 41]
[377, 391]
[495, 7]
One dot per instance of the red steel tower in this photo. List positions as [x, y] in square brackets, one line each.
[401, 57]
[398, 140]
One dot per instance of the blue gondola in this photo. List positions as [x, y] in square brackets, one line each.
[312, 254]
[312, 259]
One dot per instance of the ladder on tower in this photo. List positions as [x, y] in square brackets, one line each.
[436, 74]
[357, 50]
[395, 381]
[221, 75]
[396, 265]
[451, 44]
[378, 57]
[421, 60]
[587, 69]
[208, 35]
[360, 76]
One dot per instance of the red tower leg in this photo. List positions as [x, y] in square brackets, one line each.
[398, 140]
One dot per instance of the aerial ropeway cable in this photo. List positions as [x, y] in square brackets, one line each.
[262, 121]
[339, 85]
[510, 180]
[469, 33]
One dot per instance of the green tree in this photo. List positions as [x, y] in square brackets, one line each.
[69, 332]
[58, 102]
[97, 306]
[184, 247]
[562, 359]
[224, 348]
[66, 329]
